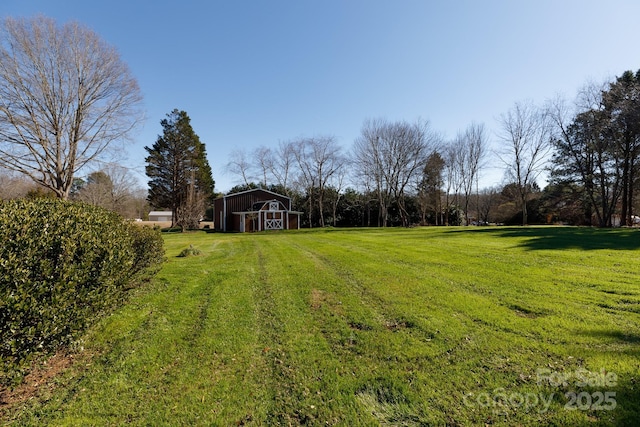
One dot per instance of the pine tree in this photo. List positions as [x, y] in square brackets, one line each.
[622, 104]
[179, 173]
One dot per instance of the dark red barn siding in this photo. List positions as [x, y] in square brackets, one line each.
[218, 205]
[293, 221]
[242, 202]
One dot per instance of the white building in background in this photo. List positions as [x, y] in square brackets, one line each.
[160, 216]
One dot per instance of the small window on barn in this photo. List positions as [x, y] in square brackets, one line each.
[273, 206]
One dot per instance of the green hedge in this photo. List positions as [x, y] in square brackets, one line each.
[148, 249]
[62, 265]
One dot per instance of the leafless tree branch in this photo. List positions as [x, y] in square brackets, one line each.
[65, 97]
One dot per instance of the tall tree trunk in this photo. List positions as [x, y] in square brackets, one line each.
[404, 215]
[625, 191]
[321, 207]
[588, 210]
[629, 218]
[523, 199]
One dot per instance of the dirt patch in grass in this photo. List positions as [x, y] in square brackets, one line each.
[36, 382]
[359, 326]
[318, 297]
[395, 325]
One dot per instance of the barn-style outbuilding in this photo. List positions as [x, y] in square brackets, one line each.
[254, 210]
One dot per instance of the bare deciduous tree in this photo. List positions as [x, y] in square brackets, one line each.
[318, 159]
[338, 187]
[527, 134]
[263, 159]
[391, 154]
[96, 190]
[14, 186]
[470, 148]
[112, 187]
[452, 179]
[266, 165]
[283, 163]
[305, 178]
[487, 199]
[239, 164]
[65, 97]
[368, 161]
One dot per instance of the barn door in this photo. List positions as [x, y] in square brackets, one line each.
[273, 217]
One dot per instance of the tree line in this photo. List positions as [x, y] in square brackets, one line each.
[402, 173]
[597, 149]
[67, 101]
[393, 171]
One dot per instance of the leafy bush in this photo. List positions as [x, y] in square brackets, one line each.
[148, 247]
[61, 265]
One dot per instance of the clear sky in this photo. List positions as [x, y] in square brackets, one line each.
[256, 72]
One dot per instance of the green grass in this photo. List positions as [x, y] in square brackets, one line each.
[368, 327]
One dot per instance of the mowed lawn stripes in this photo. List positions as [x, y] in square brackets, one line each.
[367, 327]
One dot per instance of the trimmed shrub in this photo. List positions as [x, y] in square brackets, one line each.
[148, 248]
[62, 265]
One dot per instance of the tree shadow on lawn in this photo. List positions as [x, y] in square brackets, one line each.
[617, 336]
[627, 388]
[586, 238]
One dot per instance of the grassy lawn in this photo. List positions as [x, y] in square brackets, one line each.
[434, 326]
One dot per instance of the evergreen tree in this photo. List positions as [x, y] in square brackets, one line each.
[430, 188]
[622, 105]
[598, 149]
[179, 173]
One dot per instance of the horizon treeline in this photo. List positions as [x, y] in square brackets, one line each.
[406, 173]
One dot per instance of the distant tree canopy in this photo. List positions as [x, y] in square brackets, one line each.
[65, 98]
[400, 173]
[179, 174]
[113, 187]
[388, 156]
[597, 150]
[527, 135]
[243, 187]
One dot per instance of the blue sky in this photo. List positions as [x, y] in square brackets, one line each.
[256, 72]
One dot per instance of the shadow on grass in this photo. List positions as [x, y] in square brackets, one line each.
[617, 337]
[586, 238]
[627, 388]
